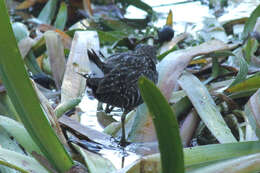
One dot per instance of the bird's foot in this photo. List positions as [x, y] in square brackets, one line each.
[119, 142]
[109, 109]
[123, 142]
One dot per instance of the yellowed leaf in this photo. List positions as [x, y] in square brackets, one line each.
[169, 18]
[28, 3]
[198, 61]
[39, 61]
[65, 38]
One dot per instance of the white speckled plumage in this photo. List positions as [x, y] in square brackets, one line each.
[118, 87]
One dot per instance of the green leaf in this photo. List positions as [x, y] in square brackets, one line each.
[18, 131]
[252, 112]
[215, 69]
[65, 106]
[250, 23]
[115, 25]
[248, 84]
[6, 169]
[48, 11]
[7, 143]
[236, 59]
[243, 94]
[164, 54]
[245, 164]
[201, 155]
[24, 98]
[166, 126]
[61, 18]
[110, 37]
[7, 108]
[20, 31]
[39, 47]
[32, 64]
[95, 163]
[206, 107]
[182, 106]
[215, 152]
[140, 4]
[250, 48]
[20, 162]
[242, 73]
[222, 53]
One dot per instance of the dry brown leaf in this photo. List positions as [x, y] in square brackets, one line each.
[65, 38]
[39, 60]
[29, 3]
[73, 84]
[25, 45]
[56, 55]
[87, 6]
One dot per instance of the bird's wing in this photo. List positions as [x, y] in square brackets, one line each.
[124, 75]
[113, 60]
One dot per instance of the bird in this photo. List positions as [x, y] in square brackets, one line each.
[118, 85]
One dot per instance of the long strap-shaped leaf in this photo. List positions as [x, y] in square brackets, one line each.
[166, 126]
[245, 164]
[201, 155]
[206, 107]
[20, 162]
[24, 98]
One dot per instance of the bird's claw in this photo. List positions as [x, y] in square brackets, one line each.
[123, 142]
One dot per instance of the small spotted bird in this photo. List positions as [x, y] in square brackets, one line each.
[118, 86]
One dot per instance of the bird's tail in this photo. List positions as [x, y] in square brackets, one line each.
[93, 57]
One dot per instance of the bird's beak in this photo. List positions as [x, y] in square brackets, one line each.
[83, 75]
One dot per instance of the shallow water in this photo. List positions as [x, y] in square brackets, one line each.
[180, 19]
[187, 16]
[183, 18]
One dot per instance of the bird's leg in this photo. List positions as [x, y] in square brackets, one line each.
[109, 108]
[123, 141]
